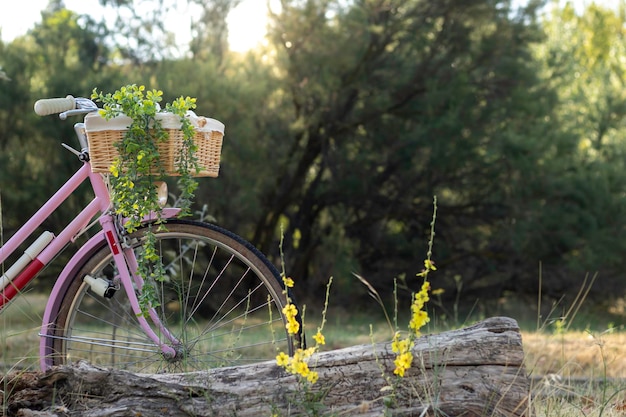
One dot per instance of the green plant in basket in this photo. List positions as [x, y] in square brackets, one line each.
[135, 173]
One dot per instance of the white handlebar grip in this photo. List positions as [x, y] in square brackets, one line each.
[47, 106]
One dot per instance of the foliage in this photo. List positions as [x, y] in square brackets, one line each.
[134, 172]
[390, 102]
[56, 58]
[581, 63]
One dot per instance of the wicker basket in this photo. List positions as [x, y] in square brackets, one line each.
[102, 135]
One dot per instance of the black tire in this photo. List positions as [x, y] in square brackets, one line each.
[222, 300]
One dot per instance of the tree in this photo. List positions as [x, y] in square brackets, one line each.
[210, 31]
[58, 57]
[389, 103]
[143, 36]
[577, 224]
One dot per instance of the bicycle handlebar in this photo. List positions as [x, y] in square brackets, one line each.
[68, 106]
[47, 106]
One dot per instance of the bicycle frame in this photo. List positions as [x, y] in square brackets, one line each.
[46, 251]
[100, 204]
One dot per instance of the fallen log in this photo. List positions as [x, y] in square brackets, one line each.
[474, 371]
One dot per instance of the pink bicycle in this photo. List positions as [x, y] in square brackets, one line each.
[220, 304]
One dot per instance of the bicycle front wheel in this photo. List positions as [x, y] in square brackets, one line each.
[220, 304]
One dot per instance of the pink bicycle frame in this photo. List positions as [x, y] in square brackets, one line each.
[124, 257]
[100, 204]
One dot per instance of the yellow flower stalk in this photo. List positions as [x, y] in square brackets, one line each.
[419, 317]
[404, 358]
[298, 364]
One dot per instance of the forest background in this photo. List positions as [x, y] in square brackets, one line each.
[343, 127]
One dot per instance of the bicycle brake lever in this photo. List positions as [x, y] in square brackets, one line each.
[64, 115]
[83, 106]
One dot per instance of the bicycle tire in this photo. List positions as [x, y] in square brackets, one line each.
[222, 300]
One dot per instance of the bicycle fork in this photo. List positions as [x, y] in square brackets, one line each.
[126, 262]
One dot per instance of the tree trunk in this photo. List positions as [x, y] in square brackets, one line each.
[474, 371]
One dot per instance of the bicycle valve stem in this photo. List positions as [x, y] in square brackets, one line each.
[29, 254]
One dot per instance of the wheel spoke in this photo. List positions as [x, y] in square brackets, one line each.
[221, 301]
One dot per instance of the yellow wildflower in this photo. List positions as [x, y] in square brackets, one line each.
[403, 362]
[404, 358]
[282, 359]
[298, 355]
[312, 377]
[288, 282]
[301, 368]
[290, 311]
[319, 338]
[430, 265]
[292, 326]
[401, 345]
[420, 319]
[395, 346]
[298, 364]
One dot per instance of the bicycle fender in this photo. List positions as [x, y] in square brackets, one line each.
[83, 254]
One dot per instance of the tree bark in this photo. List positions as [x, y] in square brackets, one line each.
[474, 371]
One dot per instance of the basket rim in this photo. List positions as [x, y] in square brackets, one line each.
[94, 122]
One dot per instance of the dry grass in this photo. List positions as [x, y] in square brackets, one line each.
[576, 354]
[577, 373]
